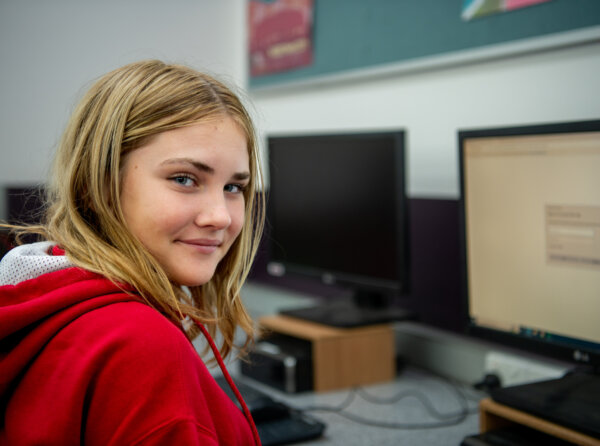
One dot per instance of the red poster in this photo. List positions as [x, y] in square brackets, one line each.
[280, 35]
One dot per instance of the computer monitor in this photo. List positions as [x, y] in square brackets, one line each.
[25, 204]
[337, 213]
[530, 206]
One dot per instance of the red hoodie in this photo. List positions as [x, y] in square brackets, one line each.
[83, 362]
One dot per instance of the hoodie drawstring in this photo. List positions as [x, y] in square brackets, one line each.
[217, 356]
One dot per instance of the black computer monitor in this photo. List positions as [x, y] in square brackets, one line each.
[337, 213]
[530, 206]
[25, 204]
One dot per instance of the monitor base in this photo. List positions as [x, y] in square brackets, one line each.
[346, 315]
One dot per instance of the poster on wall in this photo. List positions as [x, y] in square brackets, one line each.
[477, 8]
[280, 35]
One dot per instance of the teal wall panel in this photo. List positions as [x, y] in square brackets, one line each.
[356, 34]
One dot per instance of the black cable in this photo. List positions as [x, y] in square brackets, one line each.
[401, 426]
[444, 419]
[419, 396]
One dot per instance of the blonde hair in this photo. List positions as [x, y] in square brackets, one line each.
[121, 111]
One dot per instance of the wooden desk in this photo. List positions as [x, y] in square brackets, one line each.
[493, 415]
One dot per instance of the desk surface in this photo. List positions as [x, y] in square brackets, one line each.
[441, 394]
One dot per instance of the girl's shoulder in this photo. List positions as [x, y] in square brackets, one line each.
[132, 325]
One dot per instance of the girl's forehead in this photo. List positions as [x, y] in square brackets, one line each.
[218, 142]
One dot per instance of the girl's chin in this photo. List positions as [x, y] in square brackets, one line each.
[190, 281]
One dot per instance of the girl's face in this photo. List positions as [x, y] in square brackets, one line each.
[182, 196]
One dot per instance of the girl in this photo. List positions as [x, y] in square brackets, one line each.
[153, 219]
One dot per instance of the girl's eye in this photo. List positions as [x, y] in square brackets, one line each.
[235, 188]
[183, 180]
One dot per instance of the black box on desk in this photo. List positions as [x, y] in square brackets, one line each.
[281, 361]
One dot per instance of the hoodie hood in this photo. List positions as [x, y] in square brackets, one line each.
[41, 293]
[29, 261]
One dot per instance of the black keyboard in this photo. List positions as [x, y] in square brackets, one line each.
[572, 401]
[276, 422]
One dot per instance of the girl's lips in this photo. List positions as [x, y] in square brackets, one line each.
[205, 246]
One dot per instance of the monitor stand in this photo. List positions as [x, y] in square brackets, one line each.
[356, 313]
[349, 316]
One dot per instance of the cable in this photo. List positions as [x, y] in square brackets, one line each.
[419, 396]
[443, 419]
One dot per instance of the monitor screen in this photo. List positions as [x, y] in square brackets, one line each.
[530, 204]
[337, 211]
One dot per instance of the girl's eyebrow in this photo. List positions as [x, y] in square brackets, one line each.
[197, 164]
[239, 176]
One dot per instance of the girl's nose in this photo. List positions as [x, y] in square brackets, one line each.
[214, 212]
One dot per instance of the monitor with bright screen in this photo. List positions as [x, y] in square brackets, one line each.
[531, 209]
[337, 212]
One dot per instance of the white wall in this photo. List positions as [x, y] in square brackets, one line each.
[558, 85]
[51, 51]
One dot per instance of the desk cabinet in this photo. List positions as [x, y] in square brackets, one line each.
[342, 357]
[493, 415]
